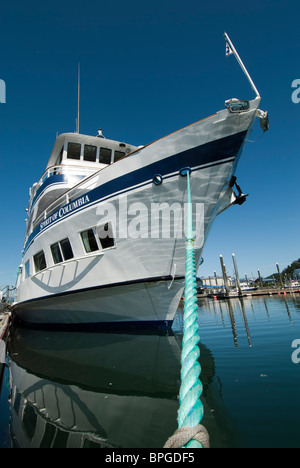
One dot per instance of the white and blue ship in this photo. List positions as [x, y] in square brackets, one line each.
[105, 243]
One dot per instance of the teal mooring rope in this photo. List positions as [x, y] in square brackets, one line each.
[191, 410]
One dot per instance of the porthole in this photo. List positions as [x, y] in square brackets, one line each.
[157, 179]
[185, 171]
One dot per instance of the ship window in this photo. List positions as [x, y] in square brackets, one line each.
[238, 106]
[61, 251]
[61, 439]
[17, 402]
[105, 155]
[66, 249]
[59, 157]
[119, 155]
[56, 254]
[39, 261]
[48, 436]
[29, 421]
[74, 150]
[89, 241]
[90, 153]
[105, 234]
[27, 269]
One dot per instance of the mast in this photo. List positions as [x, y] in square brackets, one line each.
[78, 100]
[230, 49]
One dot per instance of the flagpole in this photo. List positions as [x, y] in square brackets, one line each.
[233, 50]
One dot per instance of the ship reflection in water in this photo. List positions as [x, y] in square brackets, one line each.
[103, 390]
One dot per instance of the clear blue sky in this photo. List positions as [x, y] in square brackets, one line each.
[149, 68]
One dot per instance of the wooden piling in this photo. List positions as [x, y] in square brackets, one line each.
[236, 275]
[224, 275]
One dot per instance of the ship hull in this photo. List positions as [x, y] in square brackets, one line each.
[135, 305]
[138, 281]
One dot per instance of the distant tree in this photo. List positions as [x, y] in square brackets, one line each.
[288, 271]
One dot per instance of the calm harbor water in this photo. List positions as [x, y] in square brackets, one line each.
[67, 389]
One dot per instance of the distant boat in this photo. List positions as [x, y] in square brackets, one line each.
[244, 287]
[247, 287]
[104, 243]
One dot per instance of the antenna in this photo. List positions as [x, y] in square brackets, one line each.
[78, 100]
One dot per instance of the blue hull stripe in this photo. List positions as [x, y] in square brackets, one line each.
[209, 153]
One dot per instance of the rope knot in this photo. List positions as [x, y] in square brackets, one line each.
[184, 435]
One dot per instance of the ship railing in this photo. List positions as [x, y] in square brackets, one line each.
[7, 293]
[82, 171]
[63, 200]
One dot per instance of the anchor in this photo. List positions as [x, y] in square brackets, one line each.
[241, 197]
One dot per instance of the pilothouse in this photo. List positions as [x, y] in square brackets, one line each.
[74, 157]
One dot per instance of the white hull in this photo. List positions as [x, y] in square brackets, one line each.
[138, 305]
[139, 281]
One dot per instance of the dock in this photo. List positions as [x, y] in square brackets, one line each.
[4, 323]
[230, 287]
[4, 306]
[254, 293]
